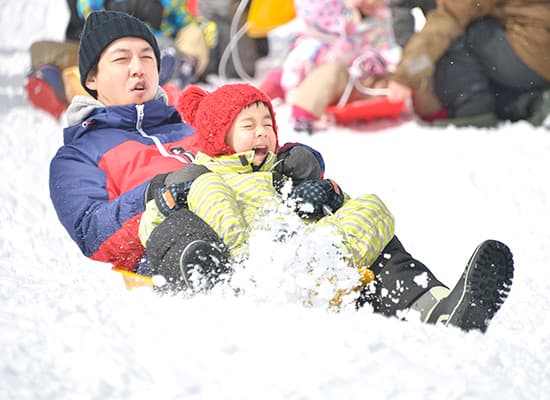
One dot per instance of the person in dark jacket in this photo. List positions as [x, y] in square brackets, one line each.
[489, 61]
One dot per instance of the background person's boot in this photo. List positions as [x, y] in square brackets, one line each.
[485, 120]
[541, 110]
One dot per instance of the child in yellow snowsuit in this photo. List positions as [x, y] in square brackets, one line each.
[232, 184]
[235, 185]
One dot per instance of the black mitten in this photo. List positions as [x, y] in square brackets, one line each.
[172, 197]
[299, 163]
[190, 172]
[173, 194]
[317, 197]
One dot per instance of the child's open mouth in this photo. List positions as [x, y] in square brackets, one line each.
[260, 151]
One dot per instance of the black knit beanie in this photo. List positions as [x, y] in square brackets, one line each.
[100, 30]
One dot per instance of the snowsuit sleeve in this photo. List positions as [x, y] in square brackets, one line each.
[105, 229]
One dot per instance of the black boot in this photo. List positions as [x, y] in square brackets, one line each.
[202, 265]
[187, 253]
[480, 291]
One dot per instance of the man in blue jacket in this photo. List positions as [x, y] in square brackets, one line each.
[121, 146]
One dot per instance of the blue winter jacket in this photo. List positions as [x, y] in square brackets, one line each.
[99, 177]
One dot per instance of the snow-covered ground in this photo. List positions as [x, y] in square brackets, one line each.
[70, 330]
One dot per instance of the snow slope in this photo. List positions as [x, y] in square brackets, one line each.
[70, 330]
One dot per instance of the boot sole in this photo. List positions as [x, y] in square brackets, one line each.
[206, 260]
[488, 280]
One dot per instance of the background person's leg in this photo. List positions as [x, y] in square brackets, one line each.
[480, 73]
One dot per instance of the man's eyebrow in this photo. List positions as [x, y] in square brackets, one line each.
[127, 50]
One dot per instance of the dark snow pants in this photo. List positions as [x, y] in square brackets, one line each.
[395, 287]
[480, 73]
[167, 241]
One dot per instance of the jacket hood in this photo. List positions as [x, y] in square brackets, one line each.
[85, 114]
[82, 106]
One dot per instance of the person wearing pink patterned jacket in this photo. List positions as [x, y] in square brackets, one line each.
[341, 42]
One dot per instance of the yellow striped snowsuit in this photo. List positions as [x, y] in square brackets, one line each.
[232, 198]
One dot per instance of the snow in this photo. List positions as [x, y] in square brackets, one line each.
[70, 330]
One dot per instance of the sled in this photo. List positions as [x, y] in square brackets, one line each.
[366, 110]
[133, 280]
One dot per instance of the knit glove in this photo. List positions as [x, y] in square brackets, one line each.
[299, 163]
[166, 193]
[316, 198]
[172, 197]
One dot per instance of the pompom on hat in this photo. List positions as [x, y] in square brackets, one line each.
[211, 114]
[100, 30]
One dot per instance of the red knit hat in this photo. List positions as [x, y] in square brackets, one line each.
[211, 114]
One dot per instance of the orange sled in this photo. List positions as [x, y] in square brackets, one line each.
[366, 110]
[133, 280]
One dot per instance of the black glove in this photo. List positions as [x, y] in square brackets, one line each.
[299, 164]
[317, 197]
[172, 195]
[190, 172]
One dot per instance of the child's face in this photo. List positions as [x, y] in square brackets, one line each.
[368, 7]
[253, 130]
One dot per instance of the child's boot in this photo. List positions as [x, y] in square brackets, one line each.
[203, 265]
[303, 119]
[478, 294]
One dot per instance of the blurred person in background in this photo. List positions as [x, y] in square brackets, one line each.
[188, 44]
[488, 59]
[339, 43]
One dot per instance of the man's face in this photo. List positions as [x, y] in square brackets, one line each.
[127, 73]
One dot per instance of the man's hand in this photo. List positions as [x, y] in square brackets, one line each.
[173, 195]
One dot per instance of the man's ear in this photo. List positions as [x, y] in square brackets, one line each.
[91, 82]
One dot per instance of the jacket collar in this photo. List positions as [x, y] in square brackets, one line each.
[238, 163]
[87, 114]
